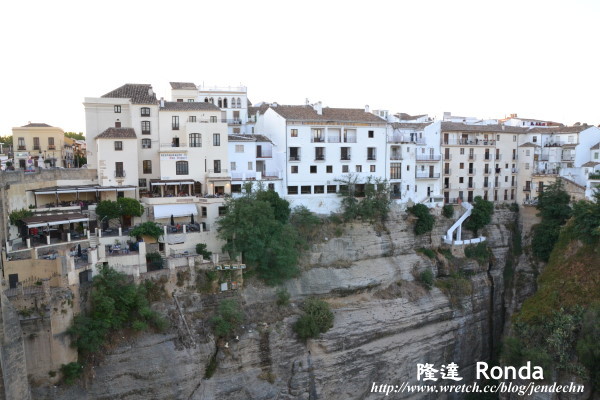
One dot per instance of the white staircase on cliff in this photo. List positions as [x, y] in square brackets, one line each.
[457, 227]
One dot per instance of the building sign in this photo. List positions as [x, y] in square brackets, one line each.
[22, 154]
[173, 156]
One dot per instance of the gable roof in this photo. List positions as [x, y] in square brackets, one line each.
[410, 125]
[137, 93]
[117, 133]
[307, 113]
[408, 117]
[183, 85]
[595, 147]
[189, 106]
[248, 138]
[528, 144]
[37, 125]
[460, 127]
[561, 129]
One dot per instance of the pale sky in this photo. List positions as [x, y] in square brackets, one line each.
[539, 59]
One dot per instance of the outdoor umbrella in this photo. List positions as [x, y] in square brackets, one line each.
[172, 220]
[79, 250]
[192, 220]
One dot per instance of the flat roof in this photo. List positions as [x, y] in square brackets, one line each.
[81, 189]
[57, 219]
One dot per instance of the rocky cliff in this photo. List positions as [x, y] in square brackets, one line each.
[385, 323]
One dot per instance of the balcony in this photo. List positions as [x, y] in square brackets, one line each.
[427, 175]
[594, 177]
[234, 121]
[405, 139]
[317, 139]
[264, 153]
[295, 158]
[472, 157]
[527, 188]
[514, 170]
[556, 143]
[320, 157]
[447, 171]
[469, 142]
[21, 148]
[371, 158]
[173, 145]
[549, 171]
[333, 139]
[568, 157]
[487, 171]
[51, 147]
[447, 157]
[345, 158]
[119, 174]
[471, 171]
[396, 156]
[428, 157]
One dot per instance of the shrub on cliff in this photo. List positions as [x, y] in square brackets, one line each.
[425, 220]
[228, 318]
[553, 204]
[481, 214]
[448, 211]
[317, 319]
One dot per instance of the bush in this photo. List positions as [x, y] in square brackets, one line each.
[283, 297]
[426, 278]
[16, 216]
[317, 319]
[481, 214]
[479, 252]
[228, 318]
[544, 237]
[201, 250]
[448, 211]
[425, 220]
[428, 252]
[71, 372]
[149, 228]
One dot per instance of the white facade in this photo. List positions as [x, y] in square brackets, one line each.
[118, 163]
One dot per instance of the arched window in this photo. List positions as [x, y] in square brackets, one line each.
[195, 140]
[181, 168]
[225, 102]
[220, 104]
[212, 101]
[239, 103]
[206, 99]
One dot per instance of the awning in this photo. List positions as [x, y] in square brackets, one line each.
[176, 210]
[81, 189]
[51, 220]
[172, 183]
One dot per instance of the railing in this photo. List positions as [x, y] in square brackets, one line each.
[333, 139]
[594, 176]
[119, 174]
[448, 157]
[556, 143]
[487, 171]
[218, 171]
[264, 153]
[487, 185]
[447, 171]
[145, 132]
[371, 158]
[471, 171]
[472, 156]
[527, 188]
[405, 139]
[427, 175]
[498, 157]
[568, 158]
[294, 158]
[396, 156]
[51, 147]
[428, 157]
[514, 170]
[171, 145]
[234, 121]
[21, 148]
[469, 142]
[550, 171]
[349, 139]
[36, 147]
[543, 157]
[320, 157]
[345, 158]
[317, 139]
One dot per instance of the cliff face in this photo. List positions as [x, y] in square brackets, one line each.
[385, 323]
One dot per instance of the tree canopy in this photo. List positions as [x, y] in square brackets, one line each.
[256, 229]
[481, 214]
[425, 220]
[76, 136]
[124, 206]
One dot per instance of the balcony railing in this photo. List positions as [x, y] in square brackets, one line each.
[371, 158]
[295, 158]
[527, 188]
[447, 171]
[498, 157]
[487, 171]
[472, 156]
[171, 145]
[428, 157]
[594, 176]
[447, 157]
[469, 142]
[51, 147]
[320, 157]
[317, 139]
[119, 174]
[234, 121]
[556, 143]
[427, 175]
[333, 139]
[549, 171]
[349, 139]
[396, 156]
[471, 171]
[21, 148]
[264, 153]
[218, 171]
[345, 158]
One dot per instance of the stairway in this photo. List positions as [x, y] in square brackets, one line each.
[457, 226]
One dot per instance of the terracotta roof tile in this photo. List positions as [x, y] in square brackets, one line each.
[460, 127]
[137, 93]
[36, 125]
[410, 125]
[590, 164]
[189, 106]
[528, 144]
[307, 113]
[183, 85]
[560, 129]
[117, 133]
[595, 147]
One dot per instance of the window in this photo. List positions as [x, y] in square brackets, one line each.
[21, 143]
[317, 135]
[371, 153]
[514, 140]
[462, 165]
[217, 166]
[395, 171]
[329, 169]
[147, 166]
[534, 139]
[204, 211]
[359, 168]
[216, 139]
[190, 100]
[117, 109]
[292, 189]
[142, 183]
[213, 118]
[233, 166]
[146, 144]
[192, 118]
[175, 122]
[371, 134]
[237, 130]
[145, 127]
[145, 111]
[181, 168]
[462, 150]
[294, 132]
[526, 165]
[239, 148]
[497, 138]
[36, 143]
[313, 169]
[372, 168]
[236, 188]
[118, 145]
[195, 140]
[320, 153]
[527, 153]
[250, 165]
[595, 155]
[331, 189]
[345, 153]
[305, 189]
[222, 209]
[119, 172]
[571, 139]
[294, 169]
[51, 143]
[294, 153]
[319, 189]
[345, 168]
[461, 180]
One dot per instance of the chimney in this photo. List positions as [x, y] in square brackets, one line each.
[150, 92]
[318, 107]
[162, 102]
[117, 124]
[367, 108]
[307, 102]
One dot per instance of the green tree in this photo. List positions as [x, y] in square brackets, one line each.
[130, 207]
[228, 318]
[425, 220]
[16, 217]
[372, 204]
[76, 136]
[7, 140]
[148, 228]
[553, 203]
[586, 216]
[305, 222]
[481, 214]
[281, 207]
[107, 210]
[317, 319]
